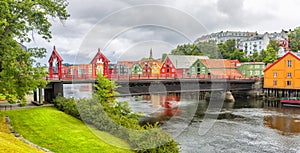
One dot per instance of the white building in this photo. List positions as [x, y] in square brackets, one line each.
[221, 37]
[259, 42]
[254, 44]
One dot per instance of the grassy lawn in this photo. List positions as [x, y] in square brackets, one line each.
[10, 144]
[59, 132]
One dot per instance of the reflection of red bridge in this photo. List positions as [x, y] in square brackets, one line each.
[100, 64]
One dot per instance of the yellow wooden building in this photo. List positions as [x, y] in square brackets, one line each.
[284, 74]
[156, 66]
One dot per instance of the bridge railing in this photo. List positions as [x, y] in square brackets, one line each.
[177, 76]
[148, 77]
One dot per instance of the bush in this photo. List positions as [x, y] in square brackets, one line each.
[103, 112]
[121, 122]
[67, 105]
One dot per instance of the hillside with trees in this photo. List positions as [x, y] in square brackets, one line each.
[228, 50]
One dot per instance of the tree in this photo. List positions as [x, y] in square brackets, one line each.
[202, 48]
[19, 72]
[239, 55]
[262, 55]
[295, 39]
[210, 49]
[163, 57]
[271, 53]
[274, 45]
[227, 48]
[255, 57]
[105, 89]
[186, 49]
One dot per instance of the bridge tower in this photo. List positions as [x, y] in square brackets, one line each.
[57, 69]
[100, 61]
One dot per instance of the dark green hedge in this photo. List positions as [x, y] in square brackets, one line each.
[117, 119]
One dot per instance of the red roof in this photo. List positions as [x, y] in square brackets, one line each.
[217, 63]
[288, 53]
[55, 55]
[235, 61]
[98, 56]
[226, 72]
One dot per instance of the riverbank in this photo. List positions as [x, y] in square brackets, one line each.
[10, 144]
[52, 129]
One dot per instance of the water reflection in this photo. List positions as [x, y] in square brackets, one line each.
[164, 104]
[286, 120]
[252, 125]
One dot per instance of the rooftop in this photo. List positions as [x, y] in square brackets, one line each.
[184, 61]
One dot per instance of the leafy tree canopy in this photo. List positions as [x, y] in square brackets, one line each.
[295, 39]
[18, 72]
[271, 53]
[209, 49]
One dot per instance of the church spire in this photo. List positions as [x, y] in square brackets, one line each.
[151, 54]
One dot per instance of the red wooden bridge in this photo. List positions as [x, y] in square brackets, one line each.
[100, 64]
[136, 84]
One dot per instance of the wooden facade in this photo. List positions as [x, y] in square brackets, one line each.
[168, 67]
[55, 70]
[284, 73]
[222, 68]
[100, 64]
[136, 69]
[178, 64]
[198, 68]
[155, 68]
[252, 69]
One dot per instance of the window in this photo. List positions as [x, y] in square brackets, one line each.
[288, 83]
[289, 75]
[251, 66]
[275, 83]
[251, 73]
[257, 73]
[198, 68]
[193, 69]
[162, 70]
[275, 74]
[244, 72]
[173, 70]
[257, 66]
[289, 63]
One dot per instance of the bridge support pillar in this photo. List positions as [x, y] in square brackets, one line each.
[229, 97]
[34, 96]
[53, 90]
[40, 96]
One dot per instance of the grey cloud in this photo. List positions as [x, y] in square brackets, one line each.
[136, 24]
[232, 8]
[94, 10]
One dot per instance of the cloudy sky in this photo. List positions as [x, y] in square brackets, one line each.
[127, 29]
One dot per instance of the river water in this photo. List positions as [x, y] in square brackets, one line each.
[246, 125]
